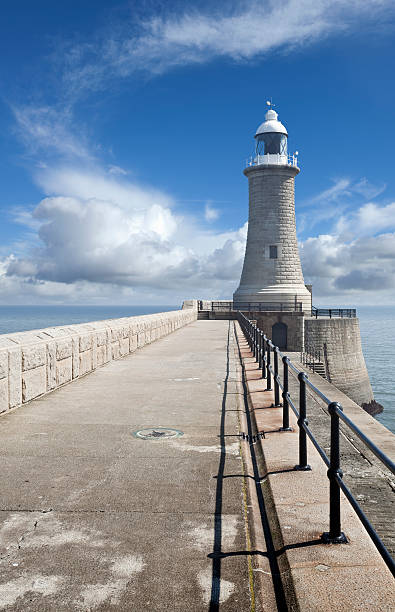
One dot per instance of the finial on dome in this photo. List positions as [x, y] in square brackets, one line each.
[271, 115]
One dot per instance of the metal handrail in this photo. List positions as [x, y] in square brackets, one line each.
[262, 348]
[343, 313]
[275, 159]
[228, 306]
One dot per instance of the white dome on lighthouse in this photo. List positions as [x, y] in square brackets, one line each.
[271, 125]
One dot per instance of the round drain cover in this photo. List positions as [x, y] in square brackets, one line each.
[157, 433]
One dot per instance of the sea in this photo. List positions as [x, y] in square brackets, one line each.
[377, 324]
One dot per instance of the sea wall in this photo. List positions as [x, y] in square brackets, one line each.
[36, 362]
[339, 341]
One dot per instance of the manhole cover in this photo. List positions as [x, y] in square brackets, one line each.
[157, 433]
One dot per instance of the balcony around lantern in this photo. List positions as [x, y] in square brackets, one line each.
[272, 159]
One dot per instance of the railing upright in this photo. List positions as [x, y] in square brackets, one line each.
[264, 356]
[256, 344]
[335, 534]
[268, 372]
[302, 421]
[285, 426]
[276, 378]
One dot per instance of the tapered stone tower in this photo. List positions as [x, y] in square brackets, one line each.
[272, 273]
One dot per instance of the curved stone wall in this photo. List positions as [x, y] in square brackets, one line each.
[339, 341]
[36, 362]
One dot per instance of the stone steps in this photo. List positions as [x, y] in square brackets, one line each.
[317, 367]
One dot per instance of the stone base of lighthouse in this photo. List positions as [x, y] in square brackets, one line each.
[296, 298]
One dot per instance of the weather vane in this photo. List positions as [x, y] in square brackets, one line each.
[270, 102]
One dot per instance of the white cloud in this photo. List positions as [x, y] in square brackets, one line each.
[336, 202]
[109, 231]
[108, 239]
[367, 220]
[359, 270]
[240, 31]
[340, 189]
[210, 213]
[367, 189]
[48, 129]
[117, 170]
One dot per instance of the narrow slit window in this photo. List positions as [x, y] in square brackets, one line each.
[273, 252]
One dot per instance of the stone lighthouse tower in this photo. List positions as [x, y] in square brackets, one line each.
[272, 275]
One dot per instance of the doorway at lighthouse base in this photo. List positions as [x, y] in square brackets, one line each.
[279, 335]
[285, 329]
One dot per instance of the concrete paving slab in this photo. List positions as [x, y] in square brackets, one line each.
[132, 483]
[117, 562]
[98, 520]
[108, 440]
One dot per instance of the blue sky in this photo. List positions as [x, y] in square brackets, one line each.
[125, 128]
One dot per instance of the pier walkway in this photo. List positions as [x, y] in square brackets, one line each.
[95, 518]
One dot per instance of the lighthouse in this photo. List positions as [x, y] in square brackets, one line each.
[272, 277]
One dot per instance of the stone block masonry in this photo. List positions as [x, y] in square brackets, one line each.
[339, 341]
[272, 222]
[36, 362]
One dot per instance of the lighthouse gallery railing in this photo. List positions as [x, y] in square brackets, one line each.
[262, 349]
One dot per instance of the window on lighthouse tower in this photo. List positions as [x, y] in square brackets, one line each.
[273, 253]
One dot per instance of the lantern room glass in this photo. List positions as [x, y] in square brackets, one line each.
[271, 143]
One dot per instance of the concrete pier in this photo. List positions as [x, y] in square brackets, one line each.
[95, 517]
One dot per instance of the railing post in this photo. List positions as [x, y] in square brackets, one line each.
[303, 465]
[276, 385]
[335, 534]
[268, 373]
[264, 356]
[256, 344]
[260, 349]
[285, 426]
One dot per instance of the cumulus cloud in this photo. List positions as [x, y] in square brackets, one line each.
[367, 220]
[361, 269]
[105, 230]
[100, 236]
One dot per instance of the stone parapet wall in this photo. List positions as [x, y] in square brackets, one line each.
[339, 341]
[36, 362]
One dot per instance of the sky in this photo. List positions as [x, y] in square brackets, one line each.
[125, 128]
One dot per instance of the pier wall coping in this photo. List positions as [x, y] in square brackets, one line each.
[36, 362]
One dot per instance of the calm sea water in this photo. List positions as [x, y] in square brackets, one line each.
[22, 318]
[378, 343]
[377, 332]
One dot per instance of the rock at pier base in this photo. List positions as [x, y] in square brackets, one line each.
[373, 408]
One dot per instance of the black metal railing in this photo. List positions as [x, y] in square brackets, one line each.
[221, 306]
[262, 348]
[313, 358]
[343, 313]
[224, 306]
[269, 306]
